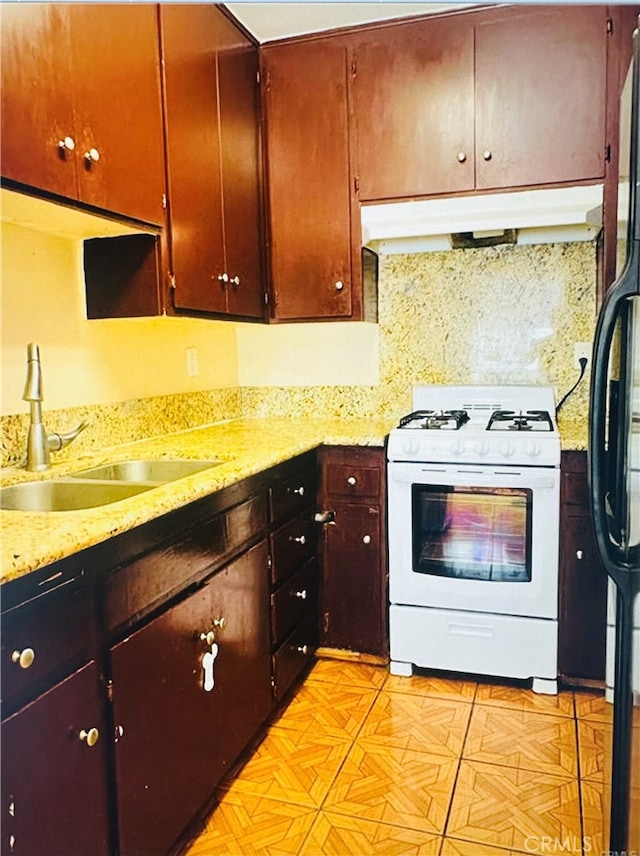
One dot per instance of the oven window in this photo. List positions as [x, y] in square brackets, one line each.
[472, 533]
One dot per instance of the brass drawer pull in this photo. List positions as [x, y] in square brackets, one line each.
[24, 658]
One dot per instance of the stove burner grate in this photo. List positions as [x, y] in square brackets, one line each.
[432, 419]
[520, 421]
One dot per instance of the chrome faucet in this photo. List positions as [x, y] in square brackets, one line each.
[39, 443]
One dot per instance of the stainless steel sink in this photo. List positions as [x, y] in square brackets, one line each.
[154, 472]
[62, 495]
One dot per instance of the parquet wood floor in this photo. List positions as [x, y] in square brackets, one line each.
[363, 763]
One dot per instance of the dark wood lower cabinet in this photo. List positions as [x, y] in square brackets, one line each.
[136, 673]
[54, 799]
[583, 579]
[190, 690]
[353, 579]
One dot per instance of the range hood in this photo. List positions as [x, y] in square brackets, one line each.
[532, 216]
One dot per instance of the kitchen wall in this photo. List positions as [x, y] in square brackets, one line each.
[127, 376]
[496, 315]
[508, 314]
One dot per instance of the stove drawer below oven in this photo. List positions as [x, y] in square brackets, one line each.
[480, 643]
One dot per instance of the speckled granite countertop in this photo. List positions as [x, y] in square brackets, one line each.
[32, 540]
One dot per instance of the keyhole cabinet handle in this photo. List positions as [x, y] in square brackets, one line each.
[90, 737]
[352, 480]
[24, 658]
[209, 637]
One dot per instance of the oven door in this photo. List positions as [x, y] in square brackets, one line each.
[477, 538]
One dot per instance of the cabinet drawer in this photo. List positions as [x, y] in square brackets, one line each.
[42, 639]
[292, 600]
[353, 481]
[291, 545]
[293, 494]
[294, 654]
[137, 588]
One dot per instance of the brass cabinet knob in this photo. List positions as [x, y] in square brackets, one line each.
[461, 157]
[92, 156]
[68, 144]
[366, 539]
[209, 637]
[90, 737]
[352, 480]
[220, 622]
[486, 154]
[339, 285]
[24, 658]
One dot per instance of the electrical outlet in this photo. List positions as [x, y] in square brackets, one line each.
[191, 355]
[580, 350]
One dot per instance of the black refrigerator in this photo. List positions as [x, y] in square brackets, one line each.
[614, 470]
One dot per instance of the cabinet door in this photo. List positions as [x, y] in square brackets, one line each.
[413, 110]
[238, 85]
[118, 112]
[178, 731]
[189, 43]
[583, 602]
[309, 179]
[540, 97]
[37, 112]
[54, 780]
[351, 589]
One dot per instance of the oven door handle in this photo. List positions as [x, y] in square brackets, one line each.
[474, 478]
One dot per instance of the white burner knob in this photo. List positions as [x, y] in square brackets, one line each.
[457, 447]
[533, 450]
[482, 447]
[508, 449]
[410, 445]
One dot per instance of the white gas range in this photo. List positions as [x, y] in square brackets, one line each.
[473, 517]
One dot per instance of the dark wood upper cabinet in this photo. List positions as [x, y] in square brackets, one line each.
[213, 157]
[541, 97]
[413, 109]
[81, 108]
[503, 98]
[310, 202]
[238, 83]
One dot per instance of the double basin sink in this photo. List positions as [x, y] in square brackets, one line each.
[98, 486]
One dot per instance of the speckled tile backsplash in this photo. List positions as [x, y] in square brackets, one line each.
[123, 422]
[498, 315]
